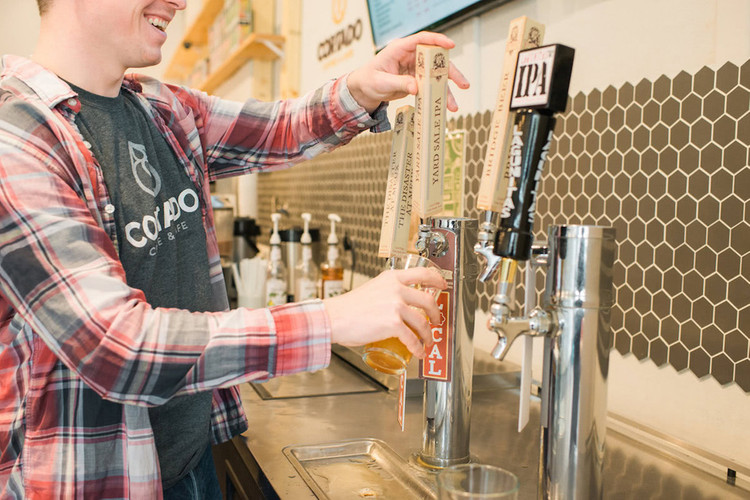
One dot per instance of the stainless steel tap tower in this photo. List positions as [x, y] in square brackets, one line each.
[447, 402]
[574, 317]
[575, 320]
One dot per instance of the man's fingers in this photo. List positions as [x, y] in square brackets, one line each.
[455, 75]
[420, 333]
[424, 300]
[452, 104]
[421, 275]
[430, 38]
[391, 84]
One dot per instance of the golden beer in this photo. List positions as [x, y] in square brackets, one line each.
[388, 356]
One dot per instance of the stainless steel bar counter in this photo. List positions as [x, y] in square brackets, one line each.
[332, 406]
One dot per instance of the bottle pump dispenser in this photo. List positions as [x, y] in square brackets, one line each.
[307, 275]
[276, 292]
[332, 271]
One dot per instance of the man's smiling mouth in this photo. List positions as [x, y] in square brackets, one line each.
[158, 23]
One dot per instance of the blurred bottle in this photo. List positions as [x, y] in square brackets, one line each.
[276, 271]
[306, 282]
[332, 270]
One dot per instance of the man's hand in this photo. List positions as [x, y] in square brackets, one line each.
[390, 74]
[383, 307]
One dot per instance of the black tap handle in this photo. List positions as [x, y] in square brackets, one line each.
[540, 88]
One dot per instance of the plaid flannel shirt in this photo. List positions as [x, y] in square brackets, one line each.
[82, 355]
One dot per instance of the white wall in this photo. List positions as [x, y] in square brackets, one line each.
[19, 27]
[319, 24]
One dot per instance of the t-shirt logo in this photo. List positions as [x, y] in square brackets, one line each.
[145, 175]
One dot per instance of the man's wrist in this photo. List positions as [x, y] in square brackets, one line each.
[355, 89]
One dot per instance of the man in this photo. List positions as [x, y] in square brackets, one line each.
[118, 357]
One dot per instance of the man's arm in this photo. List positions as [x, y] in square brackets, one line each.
[59, 272]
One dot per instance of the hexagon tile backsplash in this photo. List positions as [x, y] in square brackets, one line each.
[664, 162]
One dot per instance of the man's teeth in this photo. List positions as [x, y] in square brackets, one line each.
[158, 23]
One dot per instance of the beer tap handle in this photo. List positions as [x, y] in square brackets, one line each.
[394, 233]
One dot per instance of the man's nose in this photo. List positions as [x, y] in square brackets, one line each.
[178, 4]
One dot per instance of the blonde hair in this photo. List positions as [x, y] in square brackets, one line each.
[43, 5]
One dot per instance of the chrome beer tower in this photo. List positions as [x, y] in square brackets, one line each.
[447, 396]
[574, 317]
[574, 320]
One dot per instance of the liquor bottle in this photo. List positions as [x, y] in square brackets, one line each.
[306, 276]
[332, 271]
[276, 271]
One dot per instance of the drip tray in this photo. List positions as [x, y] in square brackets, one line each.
[339, 377]
[362, 468]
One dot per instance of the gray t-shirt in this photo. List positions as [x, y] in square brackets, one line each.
[162, 246]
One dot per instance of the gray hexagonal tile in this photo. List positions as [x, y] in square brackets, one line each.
[703, 312]
[735, 157]
[738, 102]
[711, 157]
[699, 363]
[687, 208]
[728, 264]
[722, 369]
[678, 357]
[682, 84]
[690, 109]
[717, 236]
[690, 335]
[658, 351]
[724, 130]
[700, 132]
[725, 317]
[713, 105]
[712, 340]
[722, 187]
[640, 346]
[672, 284]
[661, 136]
[727, 77]
[670, 330]
[742, 374]
[660, 303]
[739, 292]
[643, 91]
[622, 342]
[739, 238]
[682, 308]
[703, 81]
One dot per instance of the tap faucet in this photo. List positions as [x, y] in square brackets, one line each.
[430, 242]
[539, 322]
[484, 246]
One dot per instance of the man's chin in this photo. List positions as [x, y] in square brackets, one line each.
[147, 61]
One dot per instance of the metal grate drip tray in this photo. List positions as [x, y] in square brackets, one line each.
[354, 469]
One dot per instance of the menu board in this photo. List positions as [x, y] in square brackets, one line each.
[391, 19]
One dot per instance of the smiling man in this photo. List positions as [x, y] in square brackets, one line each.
[119, 358]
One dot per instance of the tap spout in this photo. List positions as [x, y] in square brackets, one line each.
[507, 327]
[485, 245]
[430, 243]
